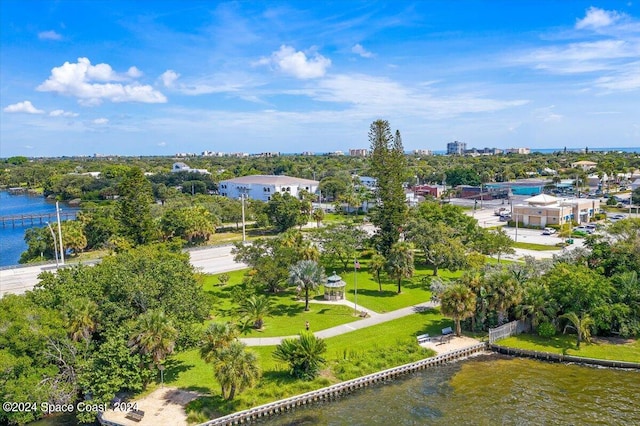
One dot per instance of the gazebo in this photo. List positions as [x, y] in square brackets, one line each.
[334, 288]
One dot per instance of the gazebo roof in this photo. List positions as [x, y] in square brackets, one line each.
[335, 280]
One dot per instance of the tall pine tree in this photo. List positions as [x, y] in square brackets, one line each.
[134, 207]
[388, 165]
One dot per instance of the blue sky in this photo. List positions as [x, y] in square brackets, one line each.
[161, 77]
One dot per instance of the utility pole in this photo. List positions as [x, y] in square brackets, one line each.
[60, 235]
[244, 235]
[55, 244]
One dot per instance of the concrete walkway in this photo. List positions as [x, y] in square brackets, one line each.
[373, 319]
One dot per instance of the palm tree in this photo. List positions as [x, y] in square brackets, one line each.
[318, 215]
[582, 326]
[400, 262]
[376, 267]
[304, 355]
[537, 304]
[256, 308]
[458, 302]
[236, 369]
[154, 335]
[504, 292]
[217, 337]
[306, 275]
[81, 319]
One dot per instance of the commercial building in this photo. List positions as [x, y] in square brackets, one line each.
[262, 187]
[544, 210]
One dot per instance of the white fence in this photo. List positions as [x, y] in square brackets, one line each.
[506, 330]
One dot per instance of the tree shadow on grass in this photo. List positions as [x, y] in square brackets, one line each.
[211, 406]
[279, 377]
[281, 310]
[173, 368]
[377, 293]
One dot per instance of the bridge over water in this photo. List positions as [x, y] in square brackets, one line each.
[34, 219]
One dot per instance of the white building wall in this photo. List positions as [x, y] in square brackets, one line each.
[262, 192]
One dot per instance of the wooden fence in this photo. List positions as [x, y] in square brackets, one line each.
[507, 330]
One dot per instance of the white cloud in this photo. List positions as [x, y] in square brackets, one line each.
[296, 63]
[359, 50]
[597, 18]
[218, 83]
[162, 144]
[134, 72]
[371, 96]
[101, 121]
[23, 107]
[92, 84]
[49, 35]
[547, 115]
[169, 78]
[627, 78]
[62, 113]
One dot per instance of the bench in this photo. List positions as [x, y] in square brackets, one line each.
[423, 338]
[136, 415]
[447, 335]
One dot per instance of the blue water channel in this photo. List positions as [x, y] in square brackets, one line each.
[12, 242]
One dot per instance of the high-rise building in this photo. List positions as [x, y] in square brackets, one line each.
[358, 152]
[456, 148]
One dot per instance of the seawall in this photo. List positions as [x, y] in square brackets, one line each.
[343, 388]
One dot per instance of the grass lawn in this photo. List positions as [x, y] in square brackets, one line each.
[414, 290]
[566, 344]
[289, 316]
[537, 247]
[350, 355]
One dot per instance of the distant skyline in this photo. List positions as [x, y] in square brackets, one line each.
[157, 78]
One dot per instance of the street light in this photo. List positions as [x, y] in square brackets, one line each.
[244, 236]
[55, 243]
[356, 266]
[60, 234]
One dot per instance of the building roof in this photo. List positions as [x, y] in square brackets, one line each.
[271, 180]
[584, 163]
[542, 199]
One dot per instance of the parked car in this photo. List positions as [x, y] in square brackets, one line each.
[548, 231]
[584, 229]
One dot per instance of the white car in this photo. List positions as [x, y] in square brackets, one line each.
[583, 229]
[548, 231]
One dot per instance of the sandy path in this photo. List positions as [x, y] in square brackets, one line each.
[163, 406]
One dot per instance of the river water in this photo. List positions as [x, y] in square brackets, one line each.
[12, 238]
[487, 390]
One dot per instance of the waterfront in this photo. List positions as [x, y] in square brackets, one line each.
[487, 390]
[12, 237]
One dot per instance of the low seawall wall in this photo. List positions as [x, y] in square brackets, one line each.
[343, 388]
[105, 422]
[547, 356]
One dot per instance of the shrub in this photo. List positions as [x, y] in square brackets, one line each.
[546, 329]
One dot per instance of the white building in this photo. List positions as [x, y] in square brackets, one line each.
[543, 210]
[262, 187]
[522, 151]
[182, 167]
[368, 182]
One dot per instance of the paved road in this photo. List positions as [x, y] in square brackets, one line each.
[212, 260]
